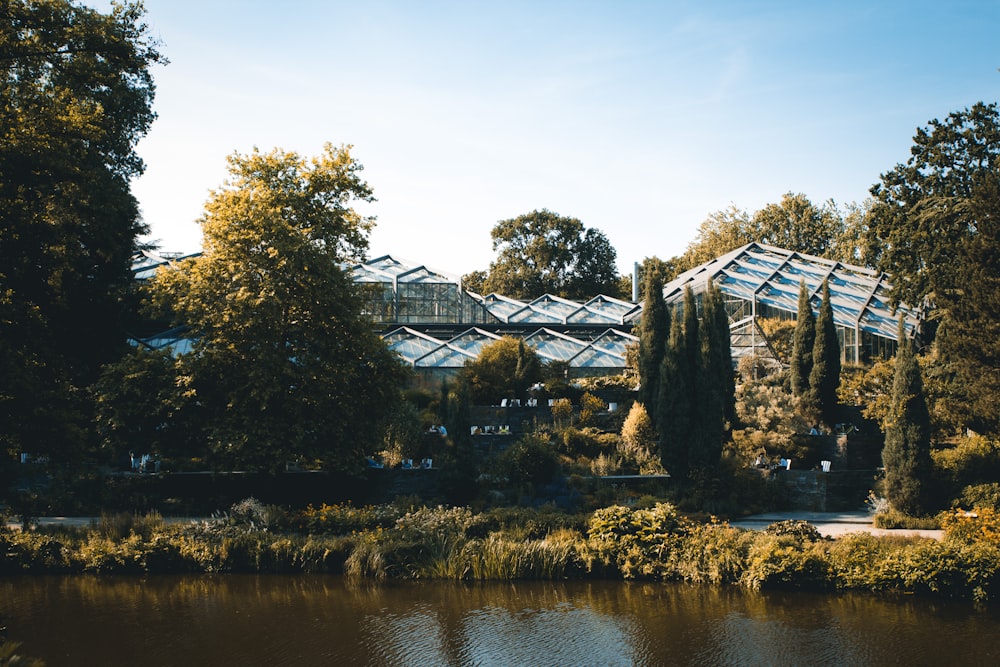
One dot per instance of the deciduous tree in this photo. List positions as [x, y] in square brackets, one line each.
[504, 368]
[282, 361]
[75, 97]
[544, 253]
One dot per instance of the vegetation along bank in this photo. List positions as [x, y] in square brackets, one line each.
[647, 542]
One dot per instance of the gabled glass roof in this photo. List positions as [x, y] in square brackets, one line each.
[146, 262]
[424, 351]
[391, 269]
[771, 276]
[551, 345]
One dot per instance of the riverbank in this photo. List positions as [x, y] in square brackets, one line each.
[653, 543]
[829, 524]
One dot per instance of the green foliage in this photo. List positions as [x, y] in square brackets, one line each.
[801, 361]
[532, 460]
[674, 418]
[121, 525]
[969, 460]
[282, 366]
[794, 223]
[499, 558]
[780, 334]
[892, 519]
[590, 405]
[654, 329]
[803, 531]
[981, 495]
[934, 228]
[76, 97]
[906, 455]
[544, 253]
[982, 525]
[562, 411]
[770, 416]
[344, 518]
[587, 442]
[824, 377]
[638, 442]
[504, 368]
[785, 561]
[635, 542]
[713, 382]
[140, 405]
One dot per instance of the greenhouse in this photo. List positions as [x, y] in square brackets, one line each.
[426, 317]
[436, 326]
[761, 283]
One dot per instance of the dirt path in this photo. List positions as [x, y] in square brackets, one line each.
[831, 524]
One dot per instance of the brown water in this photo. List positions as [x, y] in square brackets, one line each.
[324, 620]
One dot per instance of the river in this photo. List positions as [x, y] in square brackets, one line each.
[326, 620]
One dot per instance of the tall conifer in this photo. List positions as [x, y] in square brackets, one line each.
[654, 328]
[824, 378]
[802, 344]
[674, 409]
[907, 452]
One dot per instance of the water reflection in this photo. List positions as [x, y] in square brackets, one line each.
[304, 620]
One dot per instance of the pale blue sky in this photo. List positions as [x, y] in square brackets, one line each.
[638, 118]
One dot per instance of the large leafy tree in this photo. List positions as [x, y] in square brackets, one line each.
[969, 339]
[934, 229]
[907, 452]
[282, 365]
[545, 253]
[794, 223]
[75, 98]
[920, 225]
[505, 368]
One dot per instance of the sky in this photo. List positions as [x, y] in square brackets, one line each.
[638, 118]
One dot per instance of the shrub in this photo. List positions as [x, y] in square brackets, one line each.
[531, 460]
[979, 525]
[344, 518]
[802, 531]
[590, 405]
[121, 525]
[785, 562]
[588, 442]
[496, 557]
[711, 553]
[635, 542]
[981, 496]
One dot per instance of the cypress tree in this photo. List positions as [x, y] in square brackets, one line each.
[692, 341]
[674, 408]
[824, 378]
[723, 355]
[907, 452]
[654, 328]
[802, 344]
[707, 433]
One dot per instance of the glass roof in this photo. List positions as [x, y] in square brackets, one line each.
[391, 269]
[424, 351]
[772, 275]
